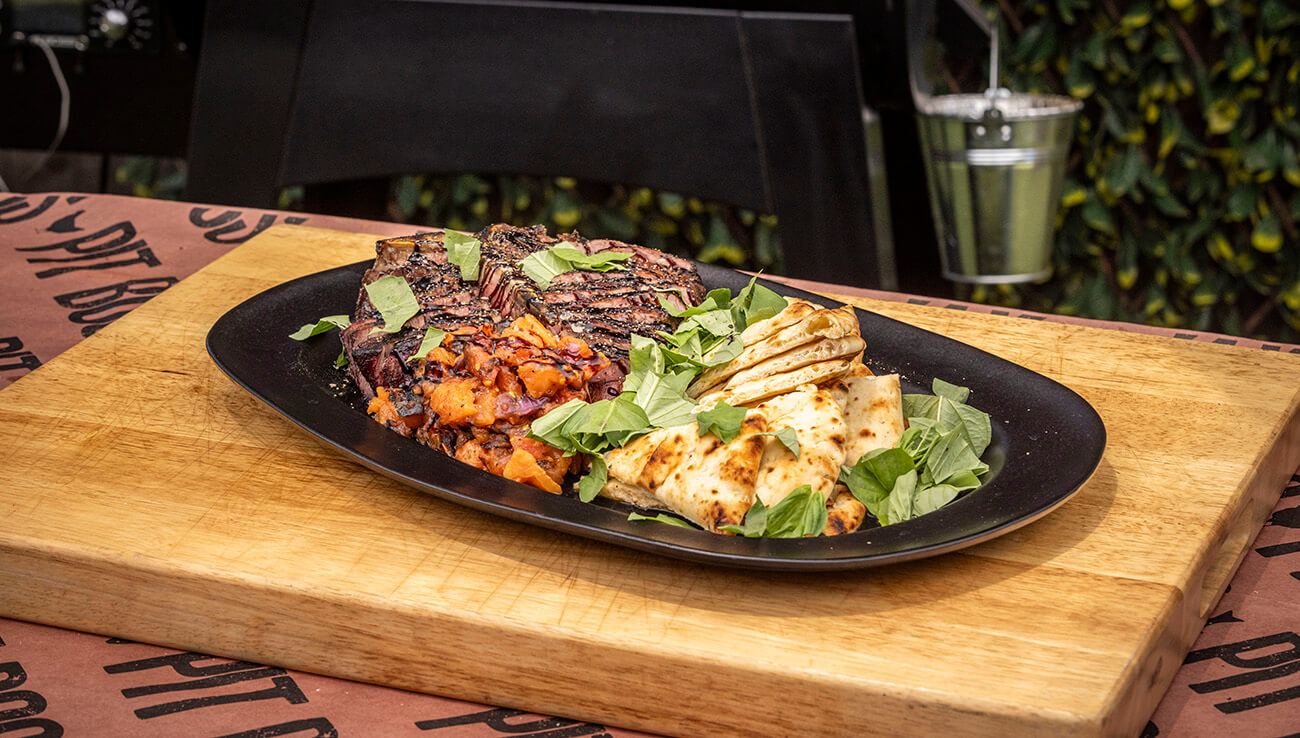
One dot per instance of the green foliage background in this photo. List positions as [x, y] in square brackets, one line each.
[708, 231]
[1183, 186]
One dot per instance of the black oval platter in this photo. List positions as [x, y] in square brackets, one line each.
[1047, 440]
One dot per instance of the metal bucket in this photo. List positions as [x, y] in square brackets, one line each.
[995, 165]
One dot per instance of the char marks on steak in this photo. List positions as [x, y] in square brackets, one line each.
[377, 359]
[602, 308]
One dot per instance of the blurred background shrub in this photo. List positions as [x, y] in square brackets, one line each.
[1182, 193]
[707, 231]
[1183, 187]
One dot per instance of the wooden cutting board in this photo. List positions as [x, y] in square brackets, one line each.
[146, 496]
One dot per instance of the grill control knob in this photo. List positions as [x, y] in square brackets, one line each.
[114, 24]
[122, 25]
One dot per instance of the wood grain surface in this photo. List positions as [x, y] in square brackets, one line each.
[146, 496]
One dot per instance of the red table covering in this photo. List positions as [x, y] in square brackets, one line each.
[72, 263]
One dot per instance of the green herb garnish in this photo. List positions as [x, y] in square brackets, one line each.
[544, 266]
[657, 391]
[800, 514]
[591, 428]
[394, 300]
[661, 518]
[755, 523]
[936, 459]
[594, 481]
[755, 303]
[788, 438]
[325, 324]
[463, 251]
[432, 340]
[723, 421]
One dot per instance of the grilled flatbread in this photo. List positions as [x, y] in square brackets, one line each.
[811, 325]
[776, 384]
[795, 311]
[800, 356]
[819, 424]
[873, 411]
[843, 513]
[706, 481]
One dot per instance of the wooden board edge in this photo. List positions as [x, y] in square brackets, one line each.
[1152, 672]
[519, 667]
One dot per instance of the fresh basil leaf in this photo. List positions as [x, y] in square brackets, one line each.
[964, 480]
[929, 499]
[645, 357]
[543, 266]
[935, 460]
[755, 303]
[722, 352]
[601, 261]
[948, 408]
[549, 428]
[594, 481]
[715, 322]
[788, 438]
[949, 390]
[341, 361]
[611, 416]
[920, 437]
[754, 524]
[919, 406]
[432, 340]
[601, 426]
[646, 363]
[875, 475]
[592, 428]
[946, 414]
[723, 421]
[950, 455]
[979, 427]
[719, 299]
[901, 502]
[394, 300]
[325, 324]
[463, 251]
[800, 513]
[662, 396]
[683, 348]
[661, 518]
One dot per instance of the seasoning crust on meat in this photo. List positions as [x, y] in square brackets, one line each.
[513, 350]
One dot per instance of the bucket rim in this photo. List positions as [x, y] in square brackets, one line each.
[1014, 107]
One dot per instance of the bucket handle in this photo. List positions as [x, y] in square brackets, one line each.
[919, 16]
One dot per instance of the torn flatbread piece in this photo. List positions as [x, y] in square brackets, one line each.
[813, 325]
[873, 411]
[753, 391]
[706, 481]
[843, 513]
[819, 425]
[800, 356]
[795, 311]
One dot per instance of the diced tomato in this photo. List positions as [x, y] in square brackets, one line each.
[384, 411]
[530, 329]
[486, 387]
[441, 355]
[523, 467]
[452, 401]
[541, 379]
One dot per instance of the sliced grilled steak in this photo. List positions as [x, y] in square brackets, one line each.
[378, 359]
[602, 308]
